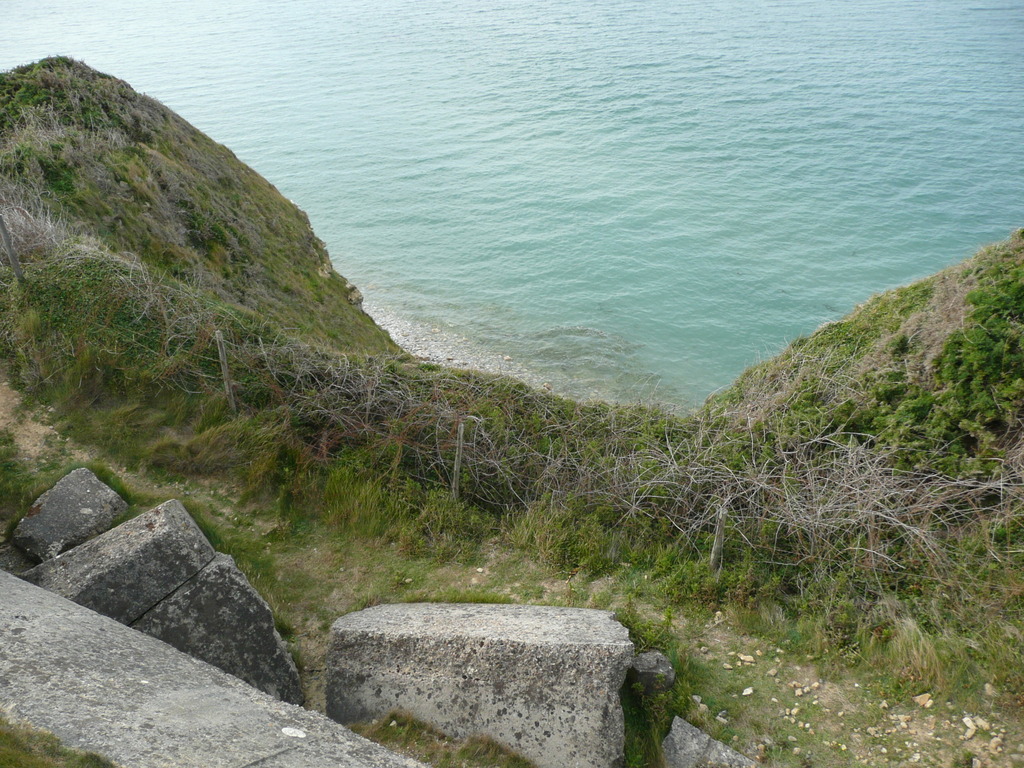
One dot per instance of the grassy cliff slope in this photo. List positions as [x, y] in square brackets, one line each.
[83, 152]
[934, 369]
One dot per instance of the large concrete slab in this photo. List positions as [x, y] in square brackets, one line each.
[218, 617]
[541, 680]
[652, 672]
[126, 571]
[687, 746]
[78, 507]
[103, 687]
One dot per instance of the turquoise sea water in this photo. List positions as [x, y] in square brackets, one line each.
[634, 199]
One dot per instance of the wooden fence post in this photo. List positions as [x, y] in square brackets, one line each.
[716, 548]
[12, 257]
[457, 469]
[229, 388]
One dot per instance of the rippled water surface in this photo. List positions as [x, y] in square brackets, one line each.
[634, 199]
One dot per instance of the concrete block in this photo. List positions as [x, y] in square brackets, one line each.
[543, 681]
[106, 688]
[126, 571]
[689, 747]
[78, 507]
[218, 617]
[653, 672]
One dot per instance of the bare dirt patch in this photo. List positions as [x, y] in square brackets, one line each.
[30, 432]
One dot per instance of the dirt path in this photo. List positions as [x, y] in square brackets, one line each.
[29, 430]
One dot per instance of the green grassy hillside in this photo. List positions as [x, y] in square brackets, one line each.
[934, 369]
[82, 152]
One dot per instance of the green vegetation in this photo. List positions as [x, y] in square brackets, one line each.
[23, 747]
[81, 152]
[863, 487]
[932, 369]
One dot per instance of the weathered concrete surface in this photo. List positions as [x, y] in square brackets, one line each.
[218, 617]
[543, 681]
[126, 571]
[689, 747]
[653, 672]
[78, 507]
[101, 686]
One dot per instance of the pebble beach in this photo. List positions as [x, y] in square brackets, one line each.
[440, 345]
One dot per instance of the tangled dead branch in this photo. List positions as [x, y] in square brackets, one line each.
[827, 501]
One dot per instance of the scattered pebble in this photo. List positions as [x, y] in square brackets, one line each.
[923, 700]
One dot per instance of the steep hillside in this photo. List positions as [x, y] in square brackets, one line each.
[81, 151]
[934, 369]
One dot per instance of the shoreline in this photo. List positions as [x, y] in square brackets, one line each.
[442, 346]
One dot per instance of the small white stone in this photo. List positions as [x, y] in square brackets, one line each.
[747, 691]
[294, 733]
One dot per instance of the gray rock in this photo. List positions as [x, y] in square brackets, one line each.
[126, 571]
[689, 747]
[218, 617]
[542, 681]
[74, 510]
[653, 672]
[106, 688]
